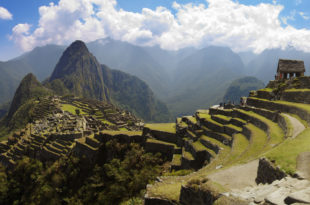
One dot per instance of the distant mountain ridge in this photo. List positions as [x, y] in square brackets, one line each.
[185, 80]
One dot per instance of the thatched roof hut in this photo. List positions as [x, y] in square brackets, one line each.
[291, 66]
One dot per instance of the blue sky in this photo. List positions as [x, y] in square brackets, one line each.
[182, 23]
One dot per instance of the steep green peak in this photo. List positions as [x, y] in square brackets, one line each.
[76, 47]
[76, 58]
[28, 88]
[29, 80]
[80, 72]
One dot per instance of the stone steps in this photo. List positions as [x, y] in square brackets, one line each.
[238, 122]
[221, 119]
[221, 137]
[211, 143]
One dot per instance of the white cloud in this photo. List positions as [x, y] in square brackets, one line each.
[5, 14]
[223, 22]
[304, 16]
[291, 17]
[297, 2]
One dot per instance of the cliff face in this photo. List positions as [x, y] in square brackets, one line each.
[80, 72]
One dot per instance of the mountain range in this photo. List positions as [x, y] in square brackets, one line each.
[79, 74]
[185, 80]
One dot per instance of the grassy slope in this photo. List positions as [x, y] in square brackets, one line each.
[165, 127]
[286, 153]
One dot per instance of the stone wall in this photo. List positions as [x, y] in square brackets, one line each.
[269, 105]
[267, 172]
[274, 116]
[213, 126]
[165, 149]
[265, 94]
[215, 111]
[298, 96]
[161, 135]
[122, 138]
[257, 122]
[247, 132]
[157, 201]
[196, 196]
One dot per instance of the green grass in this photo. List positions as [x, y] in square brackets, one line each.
[257, 143]
[276, 134]
[200, 147]
[213, 141]
[207, 117]
[123, 129]
[165, 127]
[239, 129]
[297, 90]
[71, 109]
[176, 160]
[240, 120]
[305, 107]
[223, 117]
[285, 154]
[192, 119]
[129, 133]
[160, 142]
[266, 89]
[240, 145]
[187, 155]
[107, 122]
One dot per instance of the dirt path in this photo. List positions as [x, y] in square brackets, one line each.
[298, 127]
[303, 165]
[237, 177]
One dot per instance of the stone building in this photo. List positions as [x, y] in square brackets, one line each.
[289, 69]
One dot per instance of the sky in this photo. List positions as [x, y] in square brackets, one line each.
[242, 25]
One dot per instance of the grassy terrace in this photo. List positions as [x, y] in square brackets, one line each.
[239, 129]
[223, 117]
[297, 90]
[257, 143]
[213, 141]
[165, 127]
[176, 160]
[129, 133]
[200, 147]
[160, 142]
[305, 107]
[285, 154]
[192, 119]
[71, 109]
[187, 155]
[207, 117]
[276, 134]
[266, 89]
[240, 145]
[240, 120]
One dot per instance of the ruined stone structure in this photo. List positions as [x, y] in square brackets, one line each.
[289, 69]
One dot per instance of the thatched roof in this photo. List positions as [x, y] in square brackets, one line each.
[290, 66]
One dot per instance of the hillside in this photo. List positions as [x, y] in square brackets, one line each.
[79, 73]
[257, 151]
[41, 61]
[241, 87]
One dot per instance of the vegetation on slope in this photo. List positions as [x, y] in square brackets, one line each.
[75, 181]
[241, 87]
